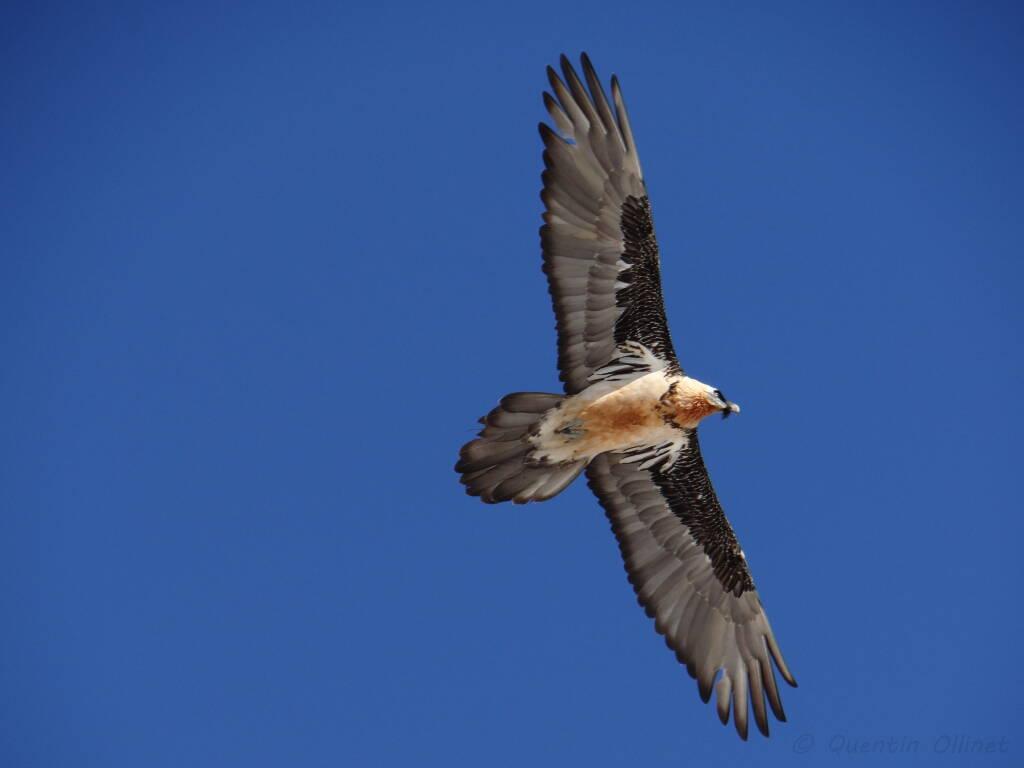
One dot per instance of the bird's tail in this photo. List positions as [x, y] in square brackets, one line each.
[496, 466]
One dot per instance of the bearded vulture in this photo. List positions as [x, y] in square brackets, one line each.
[629, 414]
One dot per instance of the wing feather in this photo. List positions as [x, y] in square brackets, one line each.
[690, 576]
[600, 252]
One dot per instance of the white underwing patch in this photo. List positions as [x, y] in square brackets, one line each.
[661, 456]
[631, 360]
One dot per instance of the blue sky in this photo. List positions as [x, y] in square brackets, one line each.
[263, 268]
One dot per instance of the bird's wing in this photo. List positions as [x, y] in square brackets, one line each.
[600, 253]
[691, 577]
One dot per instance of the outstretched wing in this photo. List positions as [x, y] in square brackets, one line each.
[600, 253]
[691, 577]
[601, 259]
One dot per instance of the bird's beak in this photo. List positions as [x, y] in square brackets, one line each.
[730, 408]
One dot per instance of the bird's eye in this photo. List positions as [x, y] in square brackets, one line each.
[719, 395]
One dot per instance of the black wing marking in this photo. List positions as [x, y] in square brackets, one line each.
[643, 308]
[684, 563]
[688, 492]
[600, 252]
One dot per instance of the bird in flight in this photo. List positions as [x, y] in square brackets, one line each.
[629, 414]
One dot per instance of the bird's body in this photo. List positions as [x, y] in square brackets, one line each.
[652, 409]
[629, 415]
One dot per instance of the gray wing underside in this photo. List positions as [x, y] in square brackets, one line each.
[604, 281]
[714, 632]
[601, 260]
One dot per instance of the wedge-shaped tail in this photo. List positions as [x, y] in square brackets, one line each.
[496, 466]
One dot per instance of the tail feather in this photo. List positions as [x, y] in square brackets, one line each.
[496, 465]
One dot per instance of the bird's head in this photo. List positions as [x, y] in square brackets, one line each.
[694, 400]
[720, 403]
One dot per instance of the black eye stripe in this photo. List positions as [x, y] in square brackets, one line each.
[719, 395]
